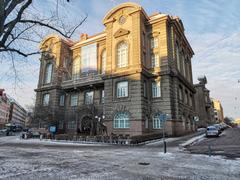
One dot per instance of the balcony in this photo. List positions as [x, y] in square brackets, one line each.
[83, 80]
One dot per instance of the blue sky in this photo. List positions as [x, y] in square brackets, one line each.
[211, 26]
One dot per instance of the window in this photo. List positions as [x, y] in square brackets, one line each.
[48, 73]
[71, 124]
[121, 120]
[156, 89]
[154, 42]
[76, 69]
[122, 54]
[155, 60]
[62, 100]
[180, 93]
[89, 58]
[157, 123]
[144, 89]
[186, 97]
[104, 59]
[74, 100]
[178, 57]
[89, 97]
[146, 123]
[60, 125]
[122, 89]
[102, 96]
[183, 66]
[45, 99]
[191, 100]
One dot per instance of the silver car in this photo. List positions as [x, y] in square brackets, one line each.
[212, 131]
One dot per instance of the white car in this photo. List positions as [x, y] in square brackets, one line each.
[212, 131]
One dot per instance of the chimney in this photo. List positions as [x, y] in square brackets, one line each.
[83, 37]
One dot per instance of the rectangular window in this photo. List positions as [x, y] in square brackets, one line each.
[45, 100]
[74, 100]
[156, 89]
[122, 89]
[186, 97]
[144, 89]
[155, 60]
[89, 58]
[191, 100]
[180, 93]
[154, 42]
[71, 124]
[102, 96]
[89, 97]
[62, 100]
[178, 57]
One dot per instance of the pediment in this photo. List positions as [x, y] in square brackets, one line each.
[121, 32]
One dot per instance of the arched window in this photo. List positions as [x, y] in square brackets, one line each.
[122, 54]
[76, 68]
[157, 121]
[48, 73]
[121, 120]
[104, 59]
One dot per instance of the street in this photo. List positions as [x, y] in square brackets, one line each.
[35, 159]
[228, 144]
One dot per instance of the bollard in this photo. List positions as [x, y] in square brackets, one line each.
[209, 150]
[165, 146]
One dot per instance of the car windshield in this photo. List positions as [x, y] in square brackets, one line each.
[211, 128]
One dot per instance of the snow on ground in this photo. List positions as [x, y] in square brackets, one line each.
[193, 140]
[37, 161]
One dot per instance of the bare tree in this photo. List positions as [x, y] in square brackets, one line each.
[93, 124]
[17, 26]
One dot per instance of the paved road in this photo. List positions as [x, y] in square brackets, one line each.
[228, 144]
[20, 159]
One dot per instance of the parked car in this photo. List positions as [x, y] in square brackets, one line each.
[219, 128]
[5, 132]
[212, 131]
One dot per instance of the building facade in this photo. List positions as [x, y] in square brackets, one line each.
[18, 114]
[218, 111]
[124, 78]
[203, 104]
[4, 109]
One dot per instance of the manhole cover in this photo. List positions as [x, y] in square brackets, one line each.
[143, 163]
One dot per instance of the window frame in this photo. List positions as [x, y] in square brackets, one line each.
[154, 42]
[118, 91]
[71, 102]
[62, 100]
[121, 122]
[86, 100]
[48, 73]
[158, 92]
[155, 60]
[122, 53]
[44, 101]
[156, 121]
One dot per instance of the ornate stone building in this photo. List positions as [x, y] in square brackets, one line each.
[123, 78]
[203, 104]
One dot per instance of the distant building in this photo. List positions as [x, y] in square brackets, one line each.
[237, 121]
[218, 111]
[203, 105]
[17, 113]
[4, 109]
